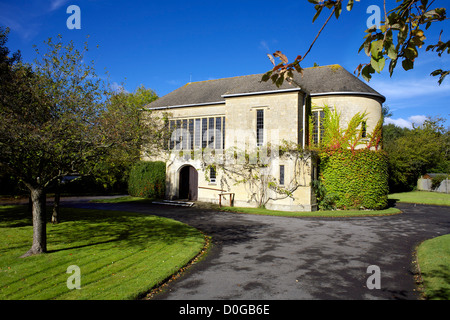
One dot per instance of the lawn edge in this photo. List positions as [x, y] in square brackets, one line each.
[306, 214]
[160, 287]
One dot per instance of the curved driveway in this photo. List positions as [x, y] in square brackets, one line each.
[264, 257]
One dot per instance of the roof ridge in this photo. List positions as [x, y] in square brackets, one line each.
[226, 78]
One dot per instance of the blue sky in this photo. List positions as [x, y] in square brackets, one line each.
[164, 44]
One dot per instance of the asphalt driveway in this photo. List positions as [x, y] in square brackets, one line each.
[264, 257]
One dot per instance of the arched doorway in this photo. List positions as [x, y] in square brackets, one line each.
[188, 185]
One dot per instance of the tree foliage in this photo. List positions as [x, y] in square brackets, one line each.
[414, 152]
[401, 34]
[123, 118]
[50, 124]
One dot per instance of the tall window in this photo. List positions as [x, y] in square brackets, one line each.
[223, 133]
[171, 130]
[184, 134]
[218, 133]
[259, 127]
[211, 133]
[204, 132]
[190, 134]
[197, 139]
[317, 123]
[212, 174]
[363, 129]
[282, 175]
[178, 137]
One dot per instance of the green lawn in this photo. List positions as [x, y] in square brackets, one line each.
[422, 197]
[124, 199]
[120, 255]
[434, 260]
[330, 214]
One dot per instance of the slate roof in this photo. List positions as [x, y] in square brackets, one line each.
[316, 81]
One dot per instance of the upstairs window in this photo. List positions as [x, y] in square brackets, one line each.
[317, 126]
[191, 134]
[259, 128]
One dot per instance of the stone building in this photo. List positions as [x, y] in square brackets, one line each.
[228, 135]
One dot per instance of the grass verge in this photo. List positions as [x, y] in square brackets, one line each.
[124, 199]
[321, 214]
[261, 211]
[120, 255]
[422, 197]
[433, 259]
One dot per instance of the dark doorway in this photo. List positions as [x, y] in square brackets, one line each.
[188, 183]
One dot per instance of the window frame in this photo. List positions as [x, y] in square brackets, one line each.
[259, 127]
[282, 174]
[212, 175]
[317, 132]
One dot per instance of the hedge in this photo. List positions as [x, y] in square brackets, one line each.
[147, 180]
[359, 179]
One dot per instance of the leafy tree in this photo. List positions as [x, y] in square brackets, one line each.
[50, 124]
[123, 116]
[413, 152]
[400, 36]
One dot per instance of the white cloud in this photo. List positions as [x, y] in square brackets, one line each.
[56, 4]
[117, 87]
[265, 46]
[402, 123]
[411, 88]
[418, 120]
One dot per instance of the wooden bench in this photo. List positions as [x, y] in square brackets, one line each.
[224, 194]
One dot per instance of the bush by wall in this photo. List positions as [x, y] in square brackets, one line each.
[358, 178]
[147, 179]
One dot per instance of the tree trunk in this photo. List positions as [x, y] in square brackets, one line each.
[55, 214]
[39, 222]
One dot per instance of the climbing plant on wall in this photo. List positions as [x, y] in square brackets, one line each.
[352, 167]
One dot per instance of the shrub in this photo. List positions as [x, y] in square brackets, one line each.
[325, 200]
[359, 178]
[147, 180]
[437, 180]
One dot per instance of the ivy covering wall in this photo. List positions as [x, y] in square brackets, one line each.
[357, 179]
[147, 179]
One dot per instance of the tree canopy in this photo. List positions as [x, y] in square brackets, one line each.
[402, 32]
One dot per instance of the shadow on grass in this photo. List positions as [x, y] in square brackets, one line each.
[81, 228]
[440, 274]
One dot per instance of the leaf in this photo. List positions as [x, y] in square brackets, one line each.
[271, 59]
[392, 66]
[411, 53]
[338, 10]
[378, 64]
[280, 55]
[266, 76]
[350, 5]
[298, 68]
[279, 81]
[407, 64]
[392, 52]
[376, 48]
[319, 10]
[367, 72]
